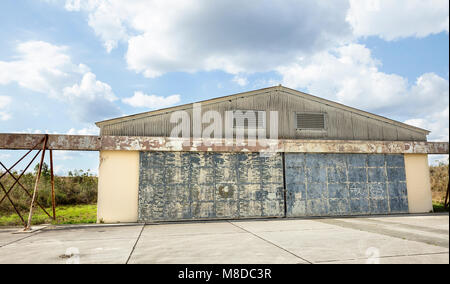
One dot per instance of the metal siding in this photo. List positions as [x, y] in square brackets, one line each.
[406, 135]
[389, 133]
[341, 124]
[346, 126]
[188, 186]
[360, 128]
[345, 184]
[375, 130]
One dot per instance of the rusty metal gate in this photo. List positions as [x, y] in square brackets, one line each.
[189, 186]
[345, 184]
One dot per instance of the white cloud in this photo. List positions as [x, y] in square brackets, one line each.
[264, 83]
[350, 75]
[347, 74]
[428, 105]
[90, 89]
[37, 131]
[5, 101]
[430, 94]
[139, 99]
[48, 69]
[4, 156]
[254, 36]
[4, 116]
[66, 161]
[63, 156]
[436, 122]
[436, 160]
[90, 130]
[107, 25]
[391, 20]
[90, 99]
[240, 80]
[196, 35]
[40, 66]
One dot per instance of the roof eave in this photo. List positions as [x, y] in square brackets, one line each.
[280, 88]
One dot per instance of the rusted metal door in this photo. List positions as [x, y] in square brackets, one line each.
[190, 186]
[345, 184]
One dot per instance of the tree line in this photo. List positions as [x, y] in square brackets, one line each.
[78, 187]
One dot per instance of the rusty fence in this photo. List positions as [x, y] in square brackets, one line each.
[17, 184]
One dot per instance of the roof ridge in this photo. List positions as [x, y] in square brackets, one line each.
[259, 92]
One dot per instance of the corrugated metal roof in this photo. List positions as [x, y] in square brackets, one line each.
[259, 92]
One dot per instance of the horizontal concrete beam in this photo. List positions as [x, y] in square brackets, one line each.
[55, 142]
[126, 143]
[371, 147]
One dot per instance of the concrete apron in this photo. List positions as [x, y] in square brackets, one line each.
[380, 239]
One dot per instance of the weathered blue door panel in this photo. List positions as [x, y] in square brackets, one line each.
[186, 186]
[345, 184]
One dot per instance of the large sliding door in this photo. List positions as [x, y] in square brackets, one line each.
[345, 184]
[187, 185]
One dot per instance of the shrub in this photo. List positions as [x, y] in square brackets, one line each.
[79, 187]
[439, 182]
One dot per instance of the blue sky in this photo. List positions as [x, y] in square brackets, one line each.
[67, 64]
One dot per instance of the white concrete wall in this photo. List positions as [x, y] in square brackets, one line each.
[118, 186]
[418, 183]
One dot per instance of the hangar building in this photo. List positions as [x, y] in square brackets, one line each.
[332, 160]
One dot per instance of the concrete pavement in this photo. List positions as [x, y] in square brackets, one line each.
[380, 239]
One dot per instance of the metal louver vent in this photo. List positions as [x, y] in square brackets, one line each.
[310, 120]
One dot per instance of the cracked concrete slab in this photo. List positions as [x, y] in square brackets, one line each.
[377, 239]
[216, 248]
[9, 236]
[83, 245]
[438, 222]
[393, 230]
[441, 258]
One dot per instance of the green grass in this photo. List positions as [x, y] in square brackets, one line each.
[75, 214]
[439, 207]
